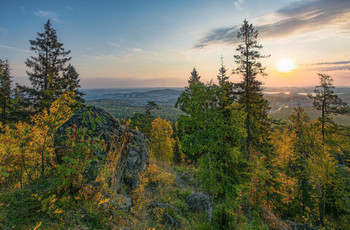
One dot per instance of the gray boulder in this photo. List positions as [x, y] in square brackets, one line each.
[201, 203]
[125, 157]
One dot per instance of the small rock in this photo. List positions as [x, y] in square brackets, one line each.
[201, 202]
[122, 202]
[155, 204]
[170, 220]
[180, 182]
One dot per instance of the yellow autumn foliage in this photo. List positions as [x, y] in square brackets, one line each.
[161, 141]
[27, 150]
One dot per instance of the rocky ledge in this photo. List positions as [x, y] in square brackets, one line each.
[125, 157]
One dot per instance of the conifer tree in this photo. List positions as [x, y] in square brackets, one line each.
[251, 98]
[178, 155]
[192, 101]
[226, 95]
[143, 121]
[194, 78]
[70, 82]
[47, 69]
[327, 101]
[21, 104]
[5, 90]
[211, 135]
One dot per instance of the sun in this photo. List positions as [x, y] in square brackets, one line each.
[286, 65]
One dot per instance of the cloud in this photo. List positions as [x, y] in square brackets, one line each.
[105, 57]
[113, 44]
[47, 14]
[329, 66]
[238, 4]
[332, 63]
[295, 18]
[14, 48]
[333, 68]
[137, 50]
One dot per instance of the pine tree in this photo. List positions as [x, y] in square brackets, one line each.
[253, 103]
[222, 77]
[193, 101]
[21, 104]
[327, 101]
[5, 90]
[143, 121]
[70, 82]
[194, 78]
[178, 155]
[211, 135]
[226, 95]
[47, 69]
[314, 167]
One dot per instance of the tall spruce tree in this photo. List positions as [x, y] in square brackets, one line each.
[5, 90]
[47, 69]
[193, 101]
[252, 102]
[226, 95]
[194, 78]
[326, 101]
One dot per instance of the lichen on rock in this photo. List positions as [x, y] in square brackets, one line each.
[126, 155]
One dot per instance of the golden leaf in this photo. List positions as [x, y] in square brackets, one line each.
[37, 226]
[103, 201]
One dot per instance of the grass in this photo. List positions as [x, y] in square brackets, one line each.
[35, 204]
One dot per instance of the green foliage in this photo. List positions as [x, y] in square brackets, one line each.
[143, 121]
[70, 82]
[80, 153]
[251, 99]
[310, 170]
[6, 102]
[326, 101]
[211, 133]
[194, 78]
[27, 150]
[49, 76]
[178, 154]
[256, 178]
[126, 109]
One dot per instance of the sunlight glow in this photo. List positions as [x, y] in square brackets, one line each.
[286, 65]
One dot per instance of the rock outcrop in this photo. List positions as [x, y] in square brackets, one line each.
[125, 157]
[201, 202]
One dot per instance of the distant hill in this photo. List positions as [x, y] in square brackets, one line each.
[137, 97]
[124, 103]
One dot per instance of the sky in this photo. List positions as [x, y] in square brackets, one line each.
[157, 43]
